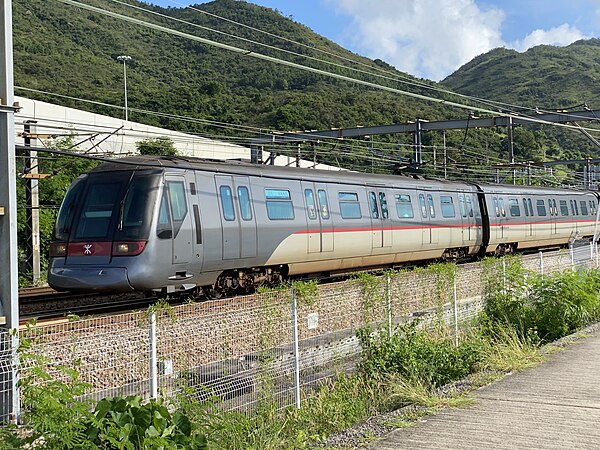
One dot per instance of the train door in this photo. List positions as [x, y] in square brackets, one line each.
[426, 223]
[314, 229]
[326, 220]
[465, 229]
[238, 224]
[179, 214]
[381, 224]
[471, 220]
[554, 215]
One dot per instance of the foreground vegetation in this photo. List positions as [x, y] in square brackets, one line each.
[411, 365]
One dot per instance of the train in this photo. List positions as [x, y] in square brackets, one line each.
[178, 224]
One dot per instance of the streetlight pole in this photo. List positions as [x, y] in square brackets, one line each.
[125, 59]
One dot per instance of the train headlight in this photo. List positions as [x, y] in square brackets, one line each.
[58, 249]
[128, 248]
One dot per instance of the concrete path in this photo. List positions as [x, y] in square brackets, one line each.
[553, 406]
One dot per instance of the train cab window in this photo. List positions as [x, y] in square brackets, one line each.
[541, 207]
[469, 205]
[461, 205]
[97, 210]
[244, 201]
[447, 206]
[227, 203]
[431, 206]
[323, 205]
[501, 207]
[496, 206]
[525, 208]
[403, 206]
[311, 209]
[422, 205]
[513, 207]
[385, 214]
[564, 211]
[279, 204]
[349, 205]
[67, 210]
[584, 210]
[373, 204]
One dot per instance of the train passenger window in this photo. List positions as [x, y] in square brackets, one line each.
[501, 206]
[553, 208]
[469, 205]
[564, 211]
[324, 206]
[461, 205]
[349, 205]
[311, 209]
[584, 210]
[227, 203]
[403, 206]
[279, 204]
[496, 207]
[423, 206]
[572, 207]
[385, 214]
[431, 206]
[530, 206]
[525, 207]
[373, 204]
[447, 206]
[541, 207]
[513, 206]
[592, 207]
[177, 199]
[244, 201]
[576, 207]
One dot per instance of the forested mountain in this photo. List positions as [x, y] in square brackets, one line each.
[72, 51]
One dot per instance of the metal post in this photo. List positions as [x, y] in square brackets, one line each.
[153, 357]
[296, 351]
[9, 285]
[445, 157]
[125, 59]
[455, 304]
[388, 295]
[504, 275]
[572, 250]
[33, 202]
[542, 264]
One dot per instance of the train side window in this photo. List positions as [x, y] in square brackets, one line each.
[584, 210]
[431, 206]
[244, 201]
[530, 206]
[576, 207]
[501, 206]
[447, 206]
[525, 207]
[385, 213]
[423, 206]
[163, 228]
[349, 205]
[311, 209]
[403, 206]
[554, 207]
[496, 207]
[373, 204]
[279, 204]
[592, 207]
[461, 205]
[227, 203]
[469, 205]
[513, 206]
[564, 211]
[541, 207]
[324, 206]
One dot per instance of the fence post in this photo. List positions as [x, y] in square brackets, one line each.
[572, 248]
[296, 351]
[542, 264]
[153, 358]
[455, 302]
[504, 275]
[388, 294]
[596, 246]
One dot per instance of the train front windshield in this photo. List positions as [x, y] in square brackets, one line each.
[108, 206]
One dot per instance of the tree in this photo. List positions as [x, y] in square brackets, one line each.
[160, 146]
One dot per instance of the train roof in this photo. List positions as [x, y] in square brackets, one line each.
[236, 167]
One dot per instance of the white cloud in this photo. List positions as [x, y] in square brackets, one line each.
[427, 38]
[561, 35]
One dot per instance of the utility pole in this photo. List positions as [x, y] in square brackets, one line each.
[9, 285]
[125, 59]
[32, 200]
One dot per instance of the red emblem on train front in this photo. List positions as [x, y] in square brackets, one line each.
[88, 249]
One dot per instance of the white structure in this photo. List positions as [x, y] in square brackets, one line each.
[109, 136]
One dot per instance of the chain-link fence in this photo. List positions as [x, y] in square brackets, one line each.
[276, 346]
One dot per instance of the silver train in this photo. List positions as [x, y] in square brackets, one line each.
[176, 224]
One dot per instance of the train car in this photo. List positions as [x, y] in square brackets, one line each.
[175, 224]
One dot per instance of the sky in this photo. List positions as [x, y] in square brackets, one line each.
[433, 38]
